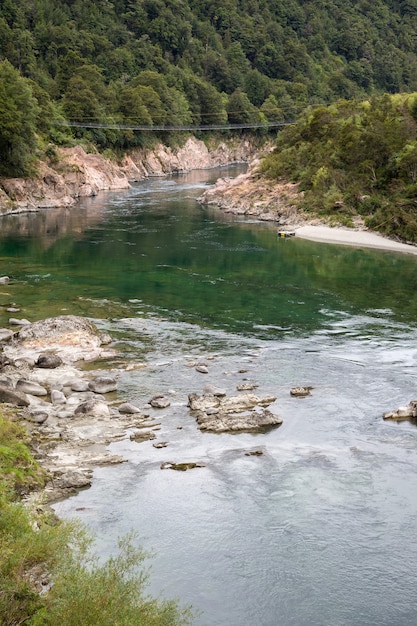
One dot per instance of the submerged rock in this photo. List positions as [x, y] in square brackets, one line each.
[142, 435]
[180, 467]
[300, 392]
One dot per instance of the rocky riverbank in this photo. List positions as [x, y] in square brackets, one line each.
[73, 413]
[252, 195]
[72, 173]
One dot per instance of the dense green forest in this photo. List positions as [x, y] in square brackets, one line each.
[355, 158]
[166, 62]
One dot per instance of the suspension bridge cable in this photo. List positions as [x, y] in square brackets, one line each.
[75, 124]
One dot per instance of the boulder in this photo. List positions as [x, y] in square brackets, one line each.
[252, 421]
[71, 337]
[234, 414]
[5, 334]
[12, 396]
[160, 402]
[103, 384]
[31, 388]
[48, 361]
[128, 409]
[92, 408]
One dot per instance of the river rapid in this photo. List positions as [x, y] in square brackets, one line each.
[317, 530]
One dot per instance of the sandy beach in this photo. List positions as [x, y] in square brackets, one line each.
[350, 237]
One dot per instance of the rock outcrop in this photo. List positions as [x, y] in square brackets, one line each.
[243, 413]
[408, 412]
[252, 195]
[74, 173]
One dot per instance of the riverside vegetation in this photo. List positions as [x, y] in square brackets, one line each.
[48, 573]
[355, 159]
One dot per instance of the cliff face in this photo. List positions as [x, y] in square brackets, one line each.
[75, 174]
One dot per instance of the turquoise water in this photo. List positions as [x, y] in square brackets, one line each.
[318, 530]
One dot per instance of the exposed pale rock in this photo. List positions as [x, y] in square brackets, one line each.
[142, 435]
[253, 195]
[203, 369]
[5, 334]
[4, 280]
[70, 336]
[160, 444]
[12, 396]
[238, 422]
[13, 321]
[128, 408]
[160, 402]
[237, 413]
[212, 390]
[57, 397]
[76, 384]
[31, 388]
[103, 384]
[92, 408]
[403, 412]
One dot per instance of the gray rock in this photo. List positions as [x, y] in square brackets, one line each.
[38, 417]
[92, 408]
[212, 390]
[48, 361]
[4, 280]
[160, 444]
[12, 396]
[12, 309]
[103, 384]
[31, 388]
[160, 402]
[237, 413]
[253, 421]
[203, 369]
[181, 467]
[5, 334]
[128, 409]
[13, 321]
[142, 435]
[57, 397]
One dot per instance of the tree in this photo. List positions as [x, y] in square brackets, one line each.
[18, 114]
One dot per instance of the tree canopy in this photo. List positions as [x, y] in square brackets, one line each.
[200, 62]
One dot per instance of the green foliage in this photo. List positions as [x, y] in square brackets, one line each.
[194, 55]
[18, 114]
[19, 472]
[355, 157]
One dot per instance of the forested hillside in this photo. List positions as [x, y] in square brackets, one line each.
[175, 62]
[355, 158]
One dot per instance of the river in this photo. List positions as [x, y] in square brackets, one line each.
[318, 530]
